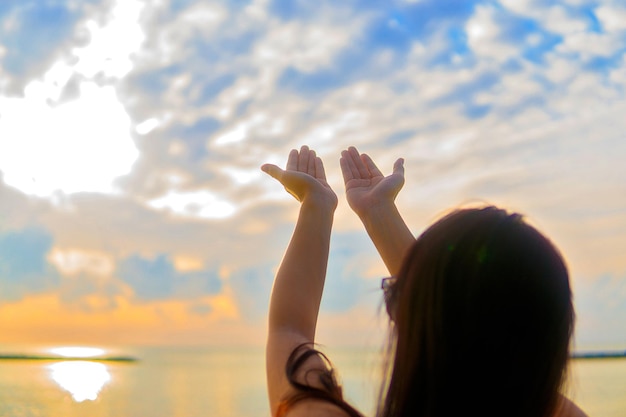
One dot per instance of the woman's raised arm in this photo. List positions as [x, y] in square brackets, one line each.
[371, 195]
[299, 282]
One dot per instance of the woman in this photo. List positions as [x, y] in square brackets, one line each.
[480, 305]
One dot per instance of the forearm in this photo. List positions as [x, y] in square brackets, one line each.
[296, 295]
[389, 233]
[299, 282]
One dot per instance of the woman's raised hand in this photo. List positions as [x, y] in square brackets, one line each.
[304, 177]
[366, 186]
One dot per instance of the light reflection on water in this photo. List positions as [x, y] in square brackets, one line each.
[82, 379]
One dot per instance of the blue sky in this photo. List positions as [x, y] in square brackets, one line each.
[131, 135]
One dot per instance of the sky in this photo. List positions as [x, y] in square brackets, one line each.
[132, 207]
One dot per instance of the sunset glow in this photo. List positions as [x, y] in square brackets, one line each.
[133, 209]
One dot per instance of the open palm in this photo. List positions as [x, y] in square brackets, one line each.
[366, 186]
[304, 177]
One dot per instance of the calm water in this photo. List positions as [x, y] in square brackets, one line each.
[194, 382]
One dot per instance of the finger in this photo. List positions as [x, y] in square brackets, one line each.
[345, 167]
[273, 171]
[320, 173]
[352, 162]
[358, 163]
[312, 165]
[303, 159]
[398, 167]
[292, 161]
[371, 166]
[348, 168]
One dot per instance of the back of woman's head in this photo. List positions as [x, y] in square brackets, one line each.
[482, 320]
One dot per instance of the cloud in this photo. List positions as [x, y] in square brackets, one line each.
[87, 284]
[112, 41]
[484, 35]
[197, 204]
[612, 17]
[88, 294]
[158, 279]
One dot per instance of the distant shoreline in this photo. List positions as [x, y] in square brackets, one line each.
[599, 355]
[31, 357]
[21, 357]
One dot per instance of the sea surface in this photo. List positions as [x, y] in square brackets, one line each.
[201, 382]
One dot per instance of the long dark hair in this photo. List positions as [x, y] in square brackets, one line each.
[482, 321]
[331, 391]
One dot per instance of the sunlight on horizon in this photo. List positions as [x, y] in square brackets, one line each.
[77, 351]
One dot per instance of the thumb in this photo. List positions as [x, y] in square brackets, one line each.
[272, 170]
[398, 167]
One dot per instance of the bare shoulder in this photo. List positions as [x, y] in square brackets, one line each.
[315, 408]
[569, 409]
